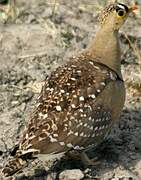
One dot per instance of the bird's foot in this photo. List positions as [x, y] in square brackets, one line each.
[88, 161]
[84, 158]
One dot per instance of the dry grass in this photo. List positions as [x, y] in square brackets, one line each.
[135, 49]
[135, 87]
[54, 7]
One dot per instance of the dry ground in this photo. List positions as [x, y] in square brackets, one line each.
[42, 39]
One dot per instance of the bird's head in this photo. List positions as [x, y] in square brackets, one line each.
[114, 15]
[8, 11]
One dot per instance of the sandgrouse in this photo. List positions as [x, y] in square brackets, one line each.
[80, 100]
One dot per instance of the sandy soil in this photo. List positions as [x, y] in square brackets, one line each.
[40, 41]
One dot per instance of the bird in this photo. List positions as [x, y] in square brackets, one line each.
[8, 11]
[80, 100]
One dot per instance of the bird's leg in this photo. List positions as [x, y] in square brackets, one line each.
[73, 154]
[88, 161]
[83, 157]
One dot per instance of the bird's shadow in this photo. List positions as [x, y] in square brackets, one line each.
[110, 151]
[106, 151]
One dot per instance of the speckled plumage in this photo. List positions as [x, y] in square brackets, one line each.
[68, 113]
[71, 112]
[105, 12]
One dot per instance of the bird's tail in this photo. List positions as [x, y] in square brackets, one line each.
[21, 160]
[14, 165]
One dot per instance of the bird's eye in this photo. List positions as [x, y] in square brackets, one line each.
[121, 10]
[121, 13]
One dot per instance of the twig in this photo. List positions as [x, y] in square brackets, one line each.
[135, 49]
[38, 54]
[54, 7]
[137, 53]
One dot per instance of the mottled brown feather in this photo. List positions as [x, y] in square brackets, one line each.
[68, 108]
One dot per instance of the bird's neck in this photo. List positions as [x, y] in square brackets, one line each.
[107, 49]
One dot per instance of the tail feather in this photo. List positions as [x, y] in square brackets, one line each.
[14, 165]
[21, 160]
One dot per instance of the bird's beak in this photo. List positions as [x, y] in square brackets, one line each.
[133, 8]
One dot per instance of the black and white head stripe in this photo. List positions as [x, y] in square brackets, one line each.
[120, 6]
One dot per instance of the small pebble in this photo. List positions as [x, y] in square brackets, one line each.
[74, 174]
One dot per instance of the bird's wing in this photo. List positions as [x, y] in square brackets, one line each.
[69, 113]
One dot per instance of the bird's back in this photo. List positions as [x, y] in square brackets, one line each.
[70, 112]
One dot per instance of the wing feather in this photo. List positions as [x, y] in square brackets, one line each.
[68, 113]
